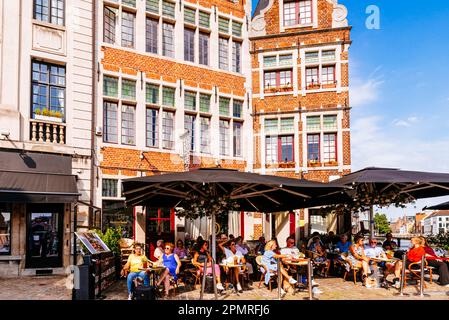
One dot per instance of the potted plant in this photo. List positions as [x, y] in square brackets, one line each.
[112, 238]
[48, 115]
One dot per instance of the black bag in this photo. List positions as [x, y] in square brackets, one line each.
[209, 287]
[145, 293]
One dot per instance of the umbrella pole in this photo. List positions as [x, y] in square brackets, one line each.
[214, 255]
[371, 222]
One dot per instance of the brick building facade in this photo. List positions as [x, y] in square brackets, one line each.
[201, 83]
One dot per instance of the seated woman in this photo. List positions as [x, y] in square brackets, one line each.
[137, 261]
[357, 258]
[232, 256]
[180, 250]
[172, 264]
[319, 255]
[415, 254]
[269, 260]
[202, 255]
[159, 251]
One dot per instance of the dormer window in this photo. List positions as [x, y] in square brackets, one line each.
[297, 12]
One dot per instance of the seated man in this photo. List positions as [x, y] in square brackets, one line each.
[136, 262]
[373, 251]
[389, 243]
[244, 250]
[233, 256]
[343, 245]
[291, 250]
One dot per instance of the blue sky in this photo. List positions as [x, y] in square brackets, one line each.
[399, 88]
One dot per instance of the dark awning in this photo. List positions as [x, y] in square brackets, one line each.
[441, 206]
[37, 187]
[36, 178]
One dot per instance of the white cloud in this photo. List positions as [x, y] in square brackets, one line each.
[405, 123]
[364, 92]
[373, 145]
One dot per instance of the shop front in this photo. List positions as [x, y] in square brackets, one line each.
[37, 192]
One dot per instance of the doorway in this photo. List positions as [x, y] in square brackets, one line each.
[44, 235]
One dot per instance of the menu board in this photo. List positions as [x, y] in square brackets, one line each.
[92, 242]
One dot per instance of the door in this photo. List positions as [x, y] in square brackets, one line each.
[44, 235]
[160, 225]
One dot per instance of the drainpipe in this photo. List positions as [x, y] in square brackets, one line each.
[94, 105]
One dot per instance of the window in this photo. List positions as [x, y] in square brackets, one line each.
[286, 146]
[312, 76]
[328, 75]
[168, 129]
[129, 3]
[236, 29]
[224, 137]
[151, 35]
[168, 9]
[48, 89]
[109, 188]
[110, 86]
[128, 89]
[205, 135]
[271, 149]
[190, 100]
[287, 125]
[51, 11]
[237, 139]
[279, 149]
[330, 122]
[128, 29]
[189, 45]
[236, 56]
[237, 109]
[223, 54]
[297, 12]
[313, 147]
[270, 79]
[312, 57]
[330, 147]
[151, 129]
[168, 96]
[269, 61]
[109, 21]
[168, 48]
[152, 6]
[204, 49]
[110, 122]
[285, 60]
[223, 25]
[189, 15]
[189, 125]
[285, 78]
[281, 78]
[328, 55]
[128, 125]
[5, 229]
[223, 106]
[313, 123]
[204, 20]
[152, 93]
[271, 125]
[204, 102]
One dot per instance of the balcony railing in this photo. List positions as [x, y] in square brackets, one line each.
[48, 132]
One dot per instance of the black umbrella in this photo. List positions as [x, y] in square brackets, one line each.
[248, 191]
[441, 206]
[384, 186]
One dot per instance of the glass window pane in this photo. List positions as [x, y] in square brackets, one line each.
[110, 86]
[236, 56]
[168, 45]
[109, 187]
[152, 93]
[330, 147]
[152, 6]
[328, 55]
[313, 123]
[189, 15]
[271, 149]
[5, 229]
[151, 35]
[224, 137]
[189, 45]
[287, 125]
[223, 25]
[189, 126]
[237, 109]
[110, 132]
[271, 125]
[128, 125]
[128, 89]
[204, 102]
[286, 149]
[237, 139]
[109, 22]
[312, 57]
[204, 49]
[204, 19]
[269, 61]
[224, 106]
[190, 100]
[168, 9]
[313, 147]
[223, 53]
[152, 137]
[236, 29]
[205, 135]
[168, 130]
[330, 122]
[285, 60]
[305, 11]
[128, 29]
[168, 97]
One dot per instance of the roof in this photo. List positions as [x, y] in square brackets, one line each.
[262, 4]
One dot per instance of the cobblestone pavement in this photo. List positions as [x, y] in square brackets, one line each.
[35, 288]
[332, 288]
[54, 288]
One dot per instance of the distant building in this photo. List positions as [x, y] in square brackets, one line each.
[419, 219]
[436, 222]
[403, 225]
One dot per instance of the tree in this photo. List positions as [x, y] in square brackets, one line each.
[381, 223]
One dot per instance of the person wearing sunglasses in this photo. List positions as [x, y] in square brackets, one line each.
[172, 264]
[233, 256]
[135, 265]
[202, 255]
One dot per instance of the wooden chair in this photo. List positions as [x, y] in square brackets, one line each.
[318, 265]
[414, 272]
[352, 269]
[265, 270]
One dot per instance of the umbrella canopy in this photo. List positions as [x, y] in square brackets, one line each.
[441, 206]
[252, 192]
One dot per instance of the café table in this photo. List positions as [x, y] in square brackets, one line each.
[152, 272]
[304, 262]
[231, 269]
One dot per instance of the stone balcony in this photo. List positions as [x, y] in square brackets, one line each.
[47, 131]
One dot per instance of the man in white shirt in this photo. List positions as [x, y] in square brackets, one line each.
[373, 251]
[292, 250]
[232, 256]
